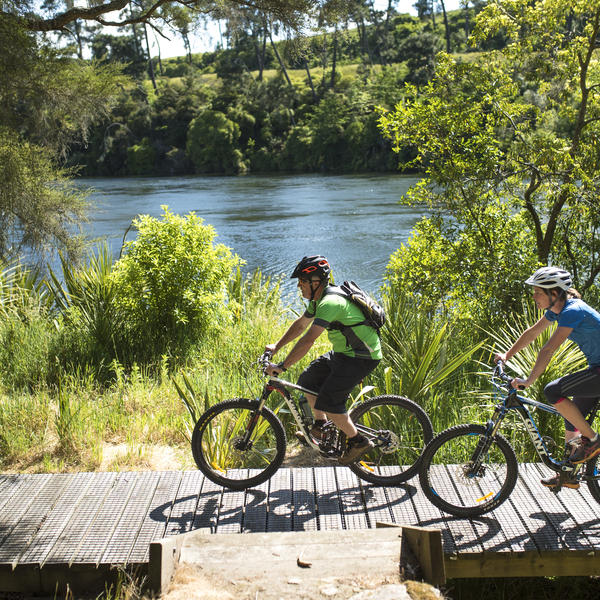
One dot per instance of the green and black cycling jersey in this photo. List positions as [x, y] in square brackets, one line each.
[341, 317]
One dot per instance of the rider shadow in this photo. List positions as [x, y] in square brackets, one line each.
[553, 536]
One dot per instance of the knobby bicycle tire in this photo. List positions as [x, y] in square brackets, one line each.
[448, 482]
[216, 439]
[592, 469]
[401, 430]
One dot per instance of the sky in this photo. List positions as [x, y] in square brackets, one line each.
[207, 39]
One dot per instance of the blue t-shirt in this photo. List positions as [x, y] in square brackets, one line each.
[585, 322]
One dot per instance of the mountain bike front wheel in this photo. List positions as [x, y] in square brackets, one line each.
[236, 446]
[466, 473]
[399, 429]
[592, 469]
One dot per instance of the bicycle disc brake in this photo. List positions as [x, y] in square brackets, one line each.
[238, 443]
[387, 441]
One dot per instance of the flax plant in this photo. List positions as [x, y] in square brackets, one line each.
[419, 349]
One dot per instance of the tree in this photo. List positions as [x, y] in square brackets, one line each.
[47, 104]
[518, 126]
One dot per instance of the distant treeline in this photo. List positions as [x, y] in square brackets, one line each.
[303, 105]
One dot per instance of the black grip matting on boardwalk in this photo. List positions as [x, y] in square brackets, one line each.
[98, 519]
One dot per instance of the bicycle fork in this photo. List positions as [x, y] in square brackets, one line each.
[475, 467]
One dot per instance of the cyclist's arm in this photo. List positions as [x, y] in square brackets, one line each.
[526, 338]
[303, 345]
[550, 347]
[294, 330]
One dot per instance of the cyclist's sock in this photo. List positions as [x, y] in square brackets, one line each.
[359, 437]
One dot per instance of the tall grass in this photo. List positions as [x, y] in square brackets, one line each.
[66, 408]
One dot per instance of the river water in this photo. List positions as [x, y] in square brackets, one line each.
[273, 221]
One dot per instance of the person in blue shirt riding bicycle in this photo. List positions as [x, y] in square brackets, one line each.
[356, 352]
[577, 321]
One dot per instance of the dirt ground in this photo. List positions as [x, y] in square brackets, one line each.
[190, 582]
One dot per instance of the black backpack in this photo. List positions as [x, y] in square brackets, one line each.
[372, 311]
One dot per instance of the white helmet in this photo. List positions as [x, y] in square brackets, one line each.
[551, 277]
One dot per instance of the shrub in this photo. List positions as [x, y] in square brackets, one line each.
[171, 284]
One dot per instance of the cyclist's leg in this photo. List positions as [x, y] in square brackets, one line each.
[346, 373]
[580, 385]
[313, 377]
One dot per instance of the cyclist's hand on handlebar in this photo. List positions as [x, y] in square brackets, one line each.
[270, 349]
[519, 384]
[500, 357]
[273, 370]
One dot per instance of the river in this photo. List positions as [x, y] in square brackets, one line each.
[272, 221]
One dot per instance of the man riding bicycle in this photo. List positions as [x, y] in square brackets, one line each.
[356, 352]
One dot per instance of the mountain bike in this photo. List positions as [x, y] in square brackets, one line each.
[240, 443]
[468, 470]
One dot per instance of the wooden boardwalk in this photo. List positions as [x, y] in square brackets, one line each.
[98, 520]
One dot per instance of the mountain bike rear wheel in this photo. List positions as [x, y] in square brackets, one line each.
[400, 429]
[453, 483]
[224, 455]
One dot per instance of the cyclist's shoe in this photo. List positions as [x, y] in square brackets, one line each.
[586, 450]
[354, 450]
[552, 482]
[316, 433]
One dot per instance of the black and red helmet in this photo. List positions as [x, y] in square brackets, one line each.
[311, 266]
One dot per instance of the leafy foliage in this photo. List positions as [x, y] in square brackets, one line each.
[507, 143]
[171, 283]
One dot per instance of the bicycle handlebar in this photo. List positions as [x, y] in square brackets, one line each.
[499, 371]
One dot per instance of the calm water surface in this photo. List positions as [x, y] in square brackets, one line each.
[271, 222]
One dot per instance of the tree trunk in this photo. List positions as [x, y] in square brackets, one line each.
[150, 65]
[334, 58]
[260, 54]
[446, 26]
[160, 65]
[310, 81]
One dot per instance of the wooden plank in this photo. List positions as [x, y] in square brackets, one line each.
[153, 521]
[400, 503]
[280, 501]
[304, 515]
[25, 530]
[10, 486]
[58, 518]
[431, 517]
[376, 504]
[351, 499]
[231, 511]
[73, 536]
[208, 508]
[18, 502]
[105, 521]
[569, 535]
[558, 563]
[426, 545]
[183, 510]
[328, 502]
[256, 506]
[124, 535]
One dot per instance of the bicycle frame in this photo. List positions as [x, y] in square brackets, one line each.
[274, 384]
[512, 401]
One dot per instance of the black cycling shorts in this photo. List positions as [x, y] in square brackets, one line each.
[333, 376]
[583, 387]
